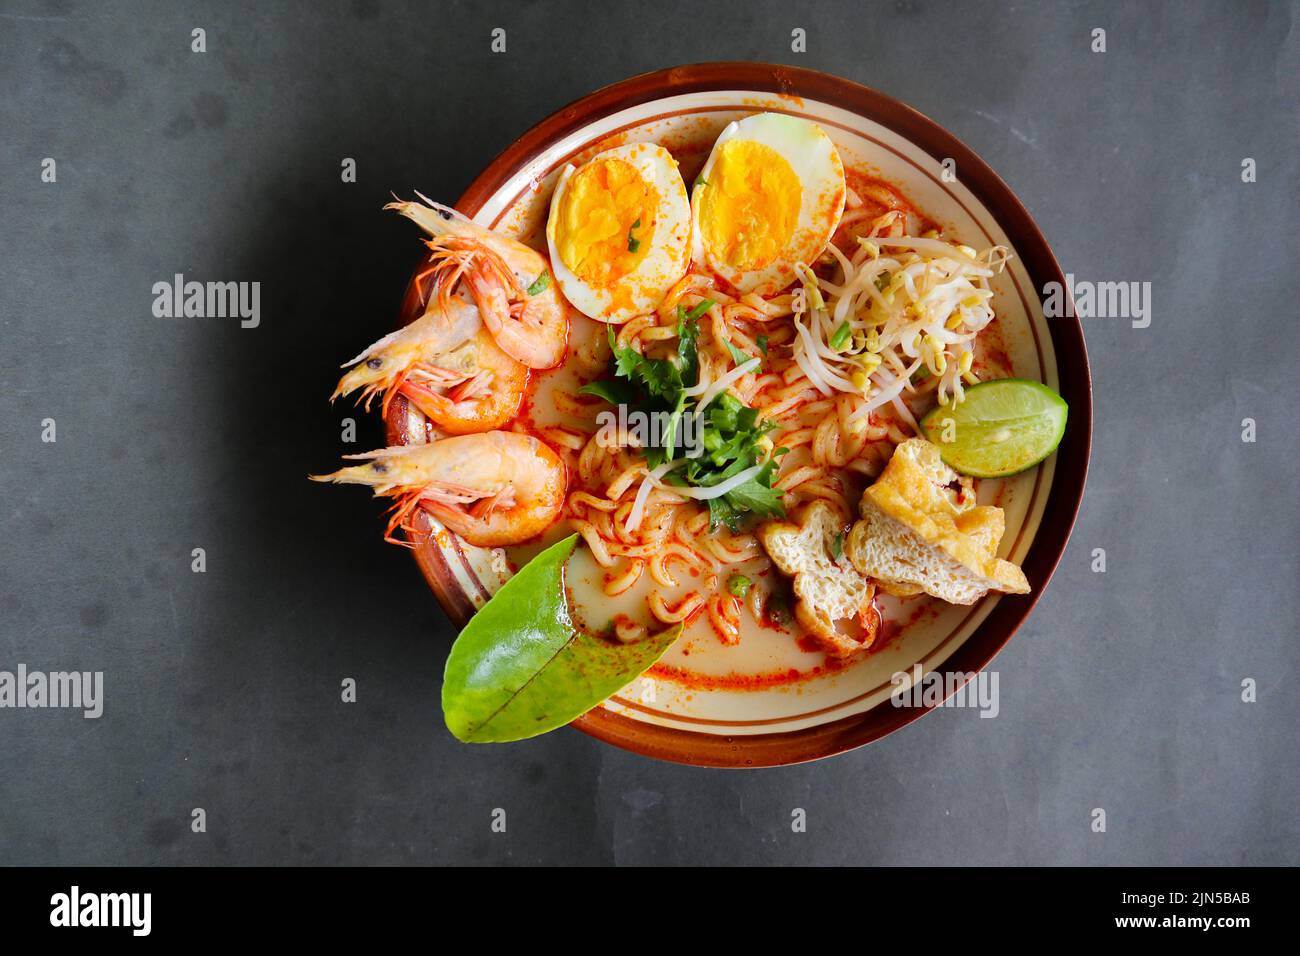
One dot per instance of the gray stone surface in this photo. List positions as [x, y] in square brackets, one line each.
[1121, 692]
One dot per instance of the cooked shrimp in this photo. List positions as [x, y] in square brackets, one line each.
[492, 489]
[475, 387]
[532, 328]
[447, 365]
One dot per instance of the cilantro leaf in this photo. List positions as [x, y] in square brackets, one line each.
[738, 356]
[613, 390]
[688, 337]
[721, 511]
[729, 431]
[757, 496]
[661, 378]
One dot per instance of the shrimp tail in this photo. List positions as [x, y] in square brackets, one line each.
[429, 402]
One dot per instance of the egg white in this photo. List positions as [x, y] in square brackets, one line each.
[640, 291]
[816, 164]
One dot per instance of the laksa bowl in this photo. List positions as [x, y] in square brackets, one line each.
[761, 692]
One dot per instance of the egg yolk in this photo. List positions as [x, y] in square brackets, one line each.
[605, 222]
[750, 206]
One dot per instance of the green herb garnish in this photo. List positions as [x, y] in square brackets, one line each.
[731, 436]
[837, 547]
[738, 356]
[633, 244]
[699, 310]
[540, 283]
[761, 342]
[738, 585]
[612, 390]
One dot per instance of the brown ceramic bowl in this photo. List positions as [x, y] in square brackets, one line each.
[744, 729]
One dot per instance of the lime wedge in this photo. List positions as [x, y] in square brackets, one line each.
[1003, 427]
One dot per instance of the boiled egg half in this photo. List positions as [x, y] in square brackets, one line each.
[769, 198]
[619, 231]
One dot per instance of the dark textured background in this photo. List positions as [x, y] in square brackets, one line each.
[1121, 692]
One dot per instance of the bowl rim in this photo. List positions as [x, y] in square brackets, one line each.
[1074, 375]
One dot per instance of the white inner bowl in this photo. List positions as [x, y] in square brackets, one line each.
[719, 697]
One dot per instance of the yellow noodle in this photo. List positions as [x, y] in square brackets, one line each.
[617, 583]
[557, 436]
[628, 631]
[669, 613]
[724, 615]
[594, 541]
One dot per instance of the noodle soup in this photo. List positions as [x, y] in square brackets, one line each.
[651, 557]
[676, 567]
